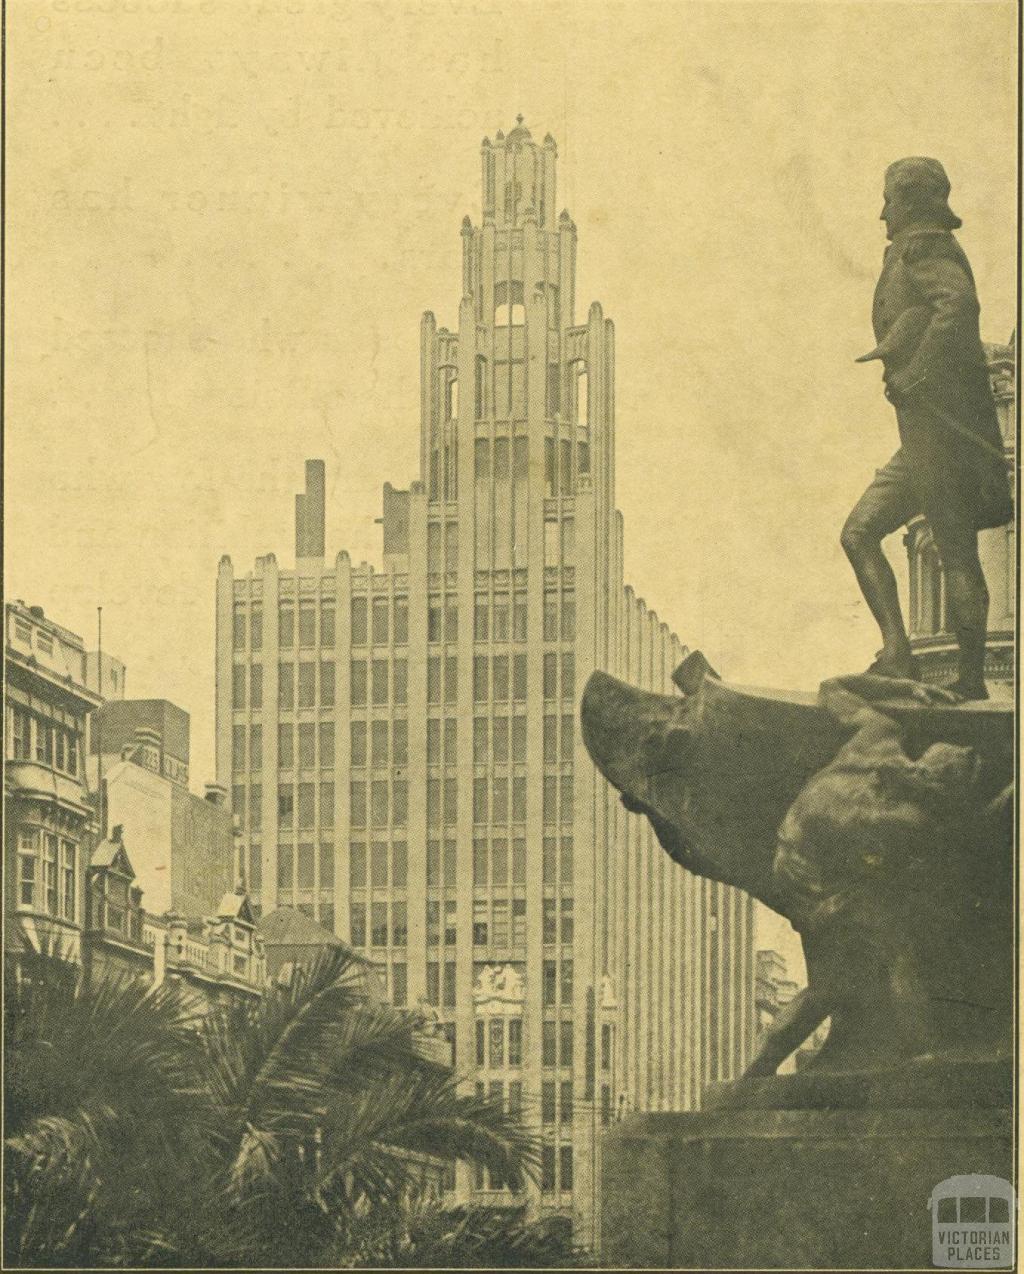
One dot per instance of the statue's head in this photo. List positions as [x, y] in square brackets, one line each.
[917, 193]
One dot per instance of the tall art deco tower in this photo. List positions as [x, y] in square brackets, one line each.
[403, 748]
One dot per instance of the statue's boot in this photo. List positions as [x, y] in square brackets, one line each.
[902, 666]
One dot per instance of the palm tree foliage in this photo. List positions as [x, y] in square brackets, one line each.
[147, 1128]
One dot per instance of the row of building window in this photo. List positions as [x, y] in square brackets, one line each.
[388, 802]
[388, 865]
[297, 869]
[389, 924]
[35, 738]
[296, 805]
[388, 742]
[382, 621]
[499, 923]
[491, 862]
[47, 873]
[548, 1089]
[499, 1042]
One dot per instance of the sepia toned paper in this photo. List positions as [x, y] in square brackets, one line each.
[225, 218]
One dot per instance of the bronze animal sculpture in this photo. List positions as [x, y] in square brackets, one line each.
[877, 821]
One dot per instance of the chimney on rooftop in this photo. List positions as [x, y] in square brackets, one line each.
[309, 513]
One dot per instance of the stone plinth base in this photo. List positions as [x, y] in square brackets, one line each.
[788, 1189]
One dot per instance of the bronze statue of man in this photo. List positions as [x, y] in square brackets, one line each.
[950, 465]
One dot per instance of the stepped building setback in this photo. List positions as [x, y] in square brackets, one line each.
[402, 747]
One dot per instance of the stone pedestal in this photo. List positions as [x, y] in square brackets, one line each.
[788, 1189]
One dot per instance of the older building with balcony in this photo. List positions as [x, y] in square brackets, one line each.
[48, 816]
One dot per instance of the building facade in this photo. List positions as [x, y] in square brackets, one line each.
[402, 745]
[930, 635]
[183, 845]
[48, 819]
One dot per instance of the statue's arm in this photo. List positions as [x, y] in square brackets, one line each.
[949, 293]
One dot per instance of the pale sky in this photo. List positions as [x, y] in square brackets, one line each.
[225, 218]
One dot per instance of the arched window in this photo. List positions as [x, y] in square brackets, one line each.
[509, 310]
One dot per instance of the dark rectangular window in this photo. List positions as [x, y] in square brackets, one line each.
[481, 1057]
[380, 612]
[449, 986]
[326, 745]
[515, 1041]
[359, 617]
[399, 985]
[379, 803]
[399, 864]
[548, 1044]
[547, 1102]
[307, 744]
[307, 685]
[433, 923]
[327, 865]
[379, 924]
[255, 747]
[237, 747]
[549, 920]
[565, 1043]
[480, 862]
[482, 461]
[499, 739]
[433, 862]
[565, 1102]
[547, 1169]
[400, 681]
[380, 681]
[479, 800]
[357, 922]
[400, 742]
[285, 866]
[450, 678]
[286, 626]
[550, 675]
[434, 679]
[327, 629]
[285, 805]
[305, 866]
[568, 675]
[565, 1167]
[357, 799]
[307, 624]
[549, 983]
[238, 686]
[480, 678]
[401, 618]
[550, 740]
[499, 862]
[399, 802]
[326, 804]
[358, 680]
[519, 677]
[433, 741]
[499, 675]
[519, 862]
[358, 733]
[357, 865]
[256, 686]
[306, 791]
[256, 626]
[399, 924]
[480, 617]
[433, 982]
[326, 683]
[379, 743]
